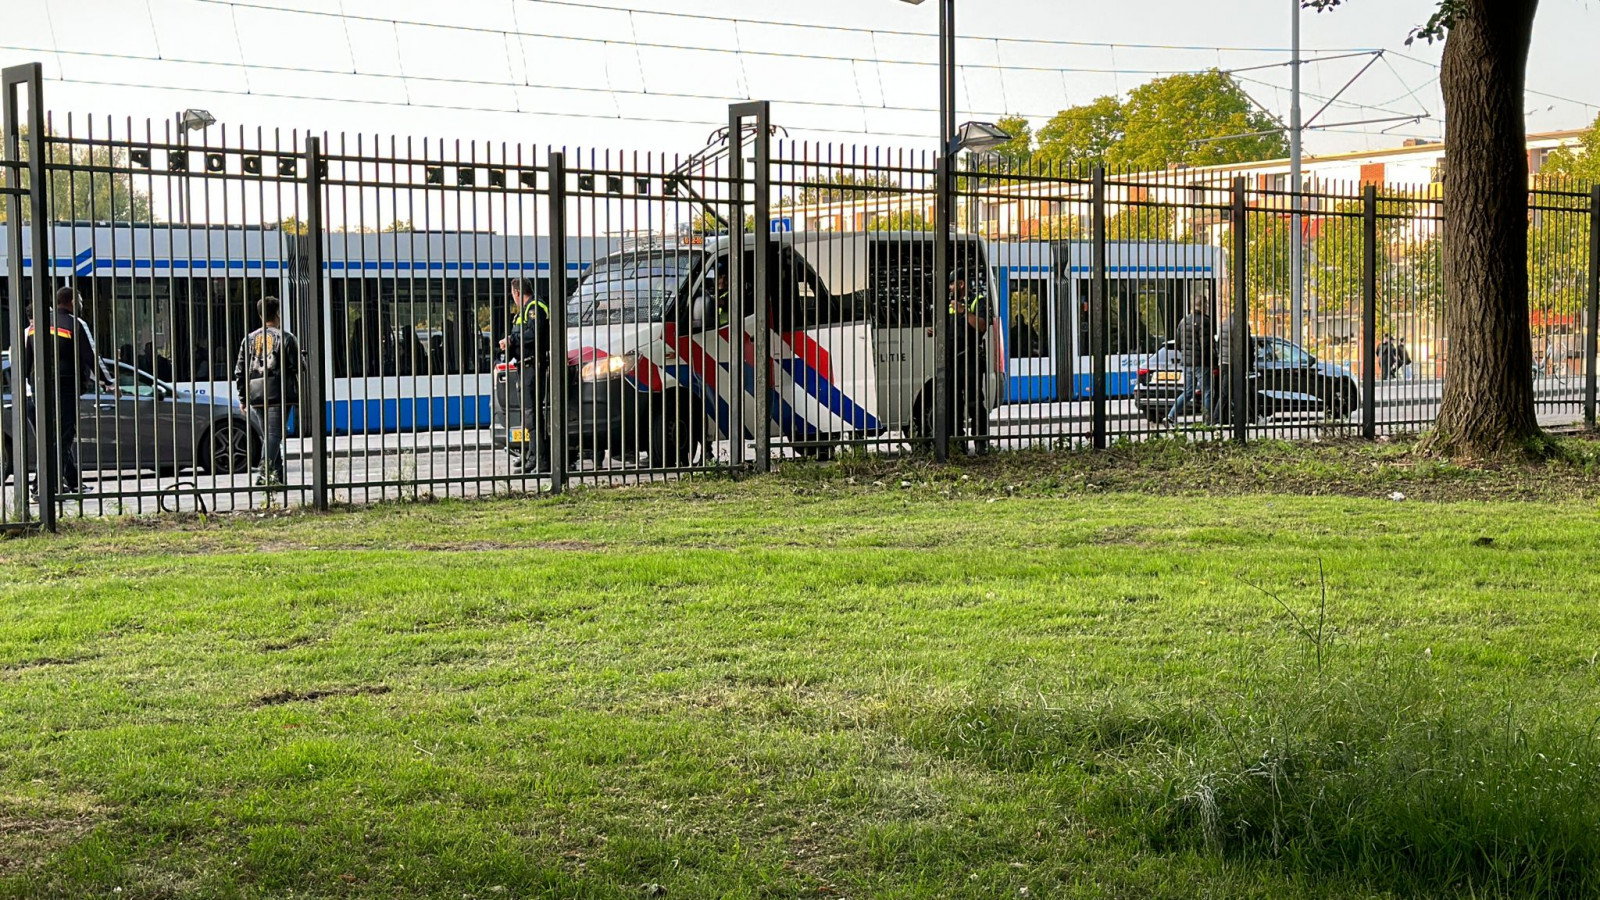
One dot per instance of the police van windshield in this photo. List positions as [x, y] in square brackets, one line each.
[636, 287]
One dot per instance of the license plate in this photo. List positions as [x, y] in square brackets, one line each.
[1168, 377]
[519, 436]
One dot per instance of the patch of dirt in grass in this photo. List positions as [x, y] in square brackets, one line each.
[281, 697]
[42, 662]
[34, 828]
[1390, 468]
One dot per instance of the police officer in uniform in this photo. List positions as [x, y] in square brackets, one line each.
[529, 343]
[77, 369]
[968, 312]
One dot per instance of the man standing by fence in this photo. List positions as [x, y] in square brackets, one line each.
[528, 342]
[267, 377]
[77, 368]
[1197, 355]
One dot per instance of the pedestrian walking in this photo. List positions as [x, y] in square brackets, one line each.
[528, 342]
[1197, 353]
[77, 370]
[267, 377]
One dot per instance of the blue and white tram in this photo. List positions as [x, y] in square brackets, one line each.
[413, 317]
[1043, 295]
[414, 320]
[173, 300]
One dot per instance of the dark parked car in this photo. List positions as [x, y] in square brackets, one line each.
[1285, 380]
[149, 424]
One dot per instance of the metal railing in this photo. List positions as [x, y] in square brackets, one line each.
[664, 316]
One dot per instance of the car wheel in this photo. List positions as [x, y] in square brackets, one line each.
[229, 448]
[1154, 415]
[672, 432]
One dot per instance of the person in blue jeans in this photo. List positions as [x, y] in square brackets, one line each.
[1197, 354]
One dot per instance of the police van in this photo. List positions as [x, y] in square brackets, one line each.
[656, 367]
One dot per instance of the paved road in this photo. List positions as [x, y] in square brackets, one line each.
[373, 468]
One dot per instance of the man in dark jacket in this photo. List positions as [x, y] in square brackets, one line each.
[77, 369]
[528, 342]
[267, 377]
[1197, 355]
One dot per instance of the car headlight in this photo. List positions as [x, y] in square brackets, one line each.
[607, 368]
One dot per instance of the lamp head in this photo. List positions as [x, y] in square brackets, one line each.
[979, 136]
[196, 119]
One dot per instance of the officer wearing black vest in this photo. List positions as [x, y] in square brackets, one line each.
[77, 370]
[969, 341]
[529, 344]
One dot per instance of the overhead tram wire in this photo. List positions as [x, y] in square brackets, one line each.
[407, 79]
[413, 104]
[857, 29]
[698, 48]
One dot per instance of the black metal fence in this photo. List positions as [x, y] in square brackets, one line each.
[477, 317]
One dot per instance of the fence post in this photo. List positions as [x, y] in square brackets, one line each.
[1369, 312]
[29, 77]
[1240, 355]
[737, 301]
[1593, 305]
[1099, 331]
[556, 388]
[316, 331]
[761, 239]
[942, 361]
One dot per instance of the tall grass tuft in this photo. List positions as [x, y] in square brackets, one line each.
[1384, 772]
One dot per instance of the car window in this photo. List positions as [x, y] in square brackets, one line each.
[132, 383]
[1289, 354]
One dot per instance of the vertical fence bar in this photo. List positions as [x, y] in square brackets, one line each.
[762, 240]
[31, 78]
[1590, 342]
[1098, 321]
[1239, 354]
[556, 389]
[1369, 311]
[315, 333]
[942, 329]
[738, 302]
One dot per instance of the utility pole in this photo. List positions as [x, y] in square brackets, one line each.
[1296, 240]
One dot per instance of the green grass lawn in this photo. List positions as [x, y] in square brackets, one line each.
[835, 682]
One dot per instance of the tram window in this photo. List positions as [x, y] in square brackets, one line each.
[414, 326]
[1027, 320]
[1141, 313]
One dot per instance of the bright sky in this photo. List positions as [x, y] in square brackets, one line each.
[503, 69]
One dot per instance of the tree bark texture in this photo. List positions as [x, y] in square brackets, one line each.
[1487, 408]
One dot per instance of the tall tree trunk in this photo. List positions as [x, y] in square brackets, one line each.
[1487, 407]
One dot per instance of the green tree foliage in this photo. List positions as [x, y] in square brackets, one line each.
[1169, 121]
[1081, 136]
[1558, 253]
[1143, 223]
[99, 196]
[1196, 119]
[845, 186]
[1016, 153]
[1581, 163]
[901, 220]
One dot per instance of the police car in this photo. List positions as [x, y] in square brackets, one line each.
[657, 367]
